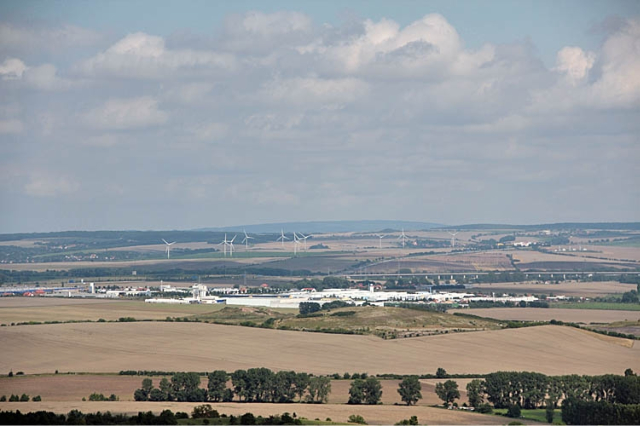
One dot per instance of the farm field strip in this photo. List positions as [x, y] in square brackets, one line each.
[605, 306]
[566, 315]
[41, 309]
[567, 288]
[110, 347]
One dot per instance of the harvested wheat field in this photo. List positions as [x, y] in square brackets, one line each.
[565, 288]
[373, 414]
[41, 309]
[111, 347]
[586, 316]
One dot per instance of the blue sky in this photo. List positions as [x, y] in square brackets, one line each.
[549, 24]
[179, 115]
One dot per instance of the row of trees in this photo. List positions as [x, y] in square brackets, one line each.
[263, 385]
[252, 385]
[535, 390]
[529, 390]
[166, 417]
[23, 398]
[576, 412]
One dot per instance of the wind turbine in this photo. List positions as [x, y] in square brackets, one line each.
[296, 241]
[224, 244]
[168, 246]
[453, 238]
[304, 239]
[380, 241]
[402, 237]
[246, 240]
[282, 237]
[231, 245]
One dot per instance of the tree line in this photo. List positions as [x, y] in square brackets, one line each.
[535, 390]
[166, 417]
[252, 385]
[608, 399]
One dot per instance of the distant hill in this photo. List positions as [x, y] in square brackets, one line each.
[328, 226]
[620, 226]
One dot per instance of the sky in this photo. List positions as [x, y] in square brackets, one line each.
[191, 114]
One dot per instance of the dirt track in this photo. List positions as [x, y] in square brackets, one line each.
[111, 347]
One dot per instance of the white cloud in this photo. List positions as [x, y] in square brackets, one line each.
[121, 114]
[11, 126]
[18, 38]
[50, 185]
[619, 83]
[42, 77]
[266, 24]
[210, 131]
[190, 93]
[603, 80]
[12, 69]
[575, 63]
[311, 90]
[45, 77]
[142, 55]
[427, 45]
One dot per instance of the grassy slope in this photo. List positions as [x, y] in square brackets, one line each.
[364, 320]
[538, 415]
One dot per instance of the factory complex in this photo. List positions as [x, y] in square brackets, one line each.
[293, 299]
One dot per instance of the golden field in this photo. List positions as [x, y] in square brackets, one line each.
[111, 347]
[585, 316]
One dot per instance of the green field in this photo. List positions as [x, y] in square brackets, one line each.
[538, 415]
[599, 305]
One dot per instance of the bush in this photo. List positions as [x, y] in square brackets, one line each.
[204, 411]
[514, 411]
[356, 418]
[14, 398]
[36, 398]
[412, 421]
[3, 398]
[24, 398]
[97, 397]
[181, 415]
[248, 419]
[484, 408]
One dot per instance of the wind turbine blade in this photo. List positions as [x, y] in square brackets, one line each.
[165, 241]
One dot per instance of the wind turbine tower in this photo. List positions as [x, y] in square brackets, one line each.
[224, 244]
[296, 241]
[380, 241]
[246, 240]
[168, 246]
[282, 237]
[403, 237]
[231, 245]
[453, 238]
[304, 240]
